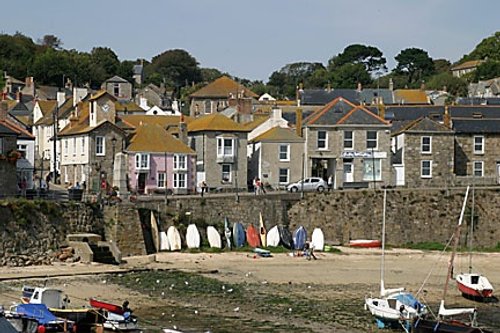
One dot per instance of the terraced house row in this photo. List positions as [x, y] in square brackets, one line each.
[144, 144]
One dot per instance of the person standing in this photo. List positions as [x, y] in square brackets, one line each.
[330, 183]
[203, 188]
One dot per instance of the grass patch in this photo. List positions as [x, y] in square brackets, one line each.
[430, 246]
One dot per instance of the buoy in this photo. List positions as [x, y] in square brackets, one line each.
[40, 329]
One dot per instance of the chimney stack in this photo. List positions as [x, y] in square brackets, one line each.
[19, 96]
[298, 121]
[391, 84]
[4, 110]
[183, 137]
[447, 117]
[360, 87]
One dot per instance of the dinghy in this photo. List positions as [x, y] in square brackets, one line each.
[174, 238]
[262, 231]
[317, 240]
[238, 234]
[227, 233]
[285, 237]
[253, 237]
[368, 243]
[193, 239]
[164, 245]
[213, 236]
[273, 237]
[299, 238]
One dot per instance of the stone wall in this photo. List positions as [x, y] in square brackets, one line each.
[33, 231]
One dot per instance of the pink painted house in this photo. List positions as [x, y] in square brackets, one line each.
[158, 161]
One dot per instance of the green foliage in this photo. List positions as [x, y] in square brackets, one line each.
[288, 78]
[415, 64]
[487, 70]
[432, 246]
[210, 74]
[442, 66]
[16, 54]
[454, 85]
[369, 56]
[50, 41]
[175, 68]
[488, 48]
[349, 75]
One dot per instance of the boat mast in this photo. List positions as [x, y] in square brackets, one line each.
[382, 287]
[471, 232]
[456, 238]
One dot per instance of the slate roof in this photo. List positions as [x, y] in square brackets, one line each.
[278, 134]
[154, 138]
[222, 87]
[19, 130]
[322, 96]
[116, 79]
[367, 96]
[410, 96]
[215, 122]
[137, 69]
[342, 112]
[101, 93]
[134, 121]
[413, 112]
[47, 107]
[258, 119]
[478, 101]
[477, 111]
[6, 131]
[424, 125]
[476, 126]
[128, 107]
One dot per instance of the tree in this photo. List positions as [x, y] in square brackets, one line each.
[488, 48]
[487, 70]
[291, 75]
[50, 67]
[349, 75]
[370, 56]
[16, 54]
[415, 64]
[210, 74]
[176, 67]
[441, 66]
[454, 85]
[51, 41]
[105, 58]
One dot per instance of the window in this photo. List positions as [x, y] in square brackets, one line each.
[99, 146]
[180, 162]
[225, 147]
[142, 161]
[478, 168]
[348, 140]
[180, 180]
[283, 175]
[426, 145]
[161, 180]
[226, 173]
[74, 146]
[322, 140]
[371, 139]
[372, 169]
[83, 146]
[116, 89]
[426, 169]
[65, 147]
[284, 152]
[479, 145]
[22, 149]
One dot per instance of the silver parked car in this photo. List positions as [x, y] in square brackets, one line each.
[308, 184]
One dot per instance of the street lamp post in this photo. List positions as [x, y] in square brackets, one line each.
[113, 145]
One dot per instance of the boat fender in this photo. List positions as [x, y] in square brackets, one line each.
[41, 329]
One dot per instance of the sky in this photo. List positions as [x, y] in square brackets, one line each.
[252, 39]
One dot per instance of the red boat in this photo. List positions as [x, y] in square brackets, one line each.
[474, 285]
[365, 243]
[106, 306]
[253, 237]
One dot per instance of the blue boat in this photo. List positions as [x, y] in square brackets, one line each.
[38, 314]
[299, 238]
[238, 235]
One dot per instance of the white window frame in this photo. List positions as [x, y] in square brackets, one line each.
[368, 172]
[228, 173]
[23, 149]
[180, 180]
[426, 148]
[74, 146]
[369, 140]
[480, 170]
[322, 141]
[180, 162]
[423, 168]
[287, 175]
[222, 149]
[142, 161]
[479, 144]
[102, 145]
[161, 180]
[351, 140]
[66, 147]
[83, 146]
[284, 156]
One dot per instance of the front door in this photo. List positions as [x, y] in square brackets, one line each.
[348, 172]
[141, 183]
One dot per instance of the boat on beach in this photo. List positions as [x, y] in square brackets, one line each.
[35, 318]
[117, 318]
[447, 320]
[366, 243]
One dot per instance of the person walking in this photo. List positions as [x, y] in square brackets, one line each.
[203, 187]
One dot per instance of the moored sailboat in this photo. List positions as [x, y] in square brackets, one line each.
[473, 285]
[394, 307]
[445, 321]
